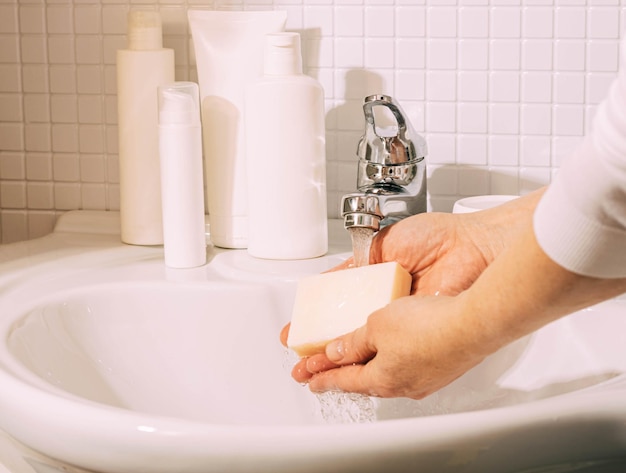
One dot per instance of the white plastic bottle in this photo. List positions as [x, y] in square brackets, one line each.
[180, 149]
[286, 159]
[141, 68]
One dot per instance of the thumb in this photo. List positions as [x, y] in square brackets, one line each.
[354, 347]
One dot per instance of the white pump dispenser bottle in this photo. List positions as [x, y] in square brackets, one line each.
[285, 146]
[180, 149]
[141, 68]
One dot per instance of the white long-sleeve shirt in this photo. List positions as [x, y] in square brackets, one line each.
[580, 221]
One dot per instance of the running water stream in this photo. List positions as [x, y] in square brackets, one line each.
[341, 407]
[361, 244]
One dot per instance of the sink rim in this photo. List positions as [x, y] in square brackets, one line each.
[178, 439]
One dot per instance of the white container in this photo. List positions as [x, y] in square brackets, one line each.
[229, 55]
[141, 68]
[480, 202]
[180, 148]
[285, 142]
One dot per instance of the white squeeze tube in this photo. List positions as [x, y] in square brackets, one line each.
[141, 68]
[180, 149]
[229, 55]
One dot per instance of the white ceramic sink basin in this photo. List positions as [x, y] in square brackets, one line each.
[164, 349]
[111, 363]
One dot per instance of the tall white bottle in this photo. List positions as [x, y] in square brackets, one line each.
[141, 69]
[180, 149]
[285, 148]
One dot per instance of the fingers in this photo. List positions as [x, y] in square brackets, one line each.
[376, 248]
[350, 378]
[322, 375]
[346, 366]
[284, 333]
[354, 347]
[307, 367]
[348, 263]
[351, 349]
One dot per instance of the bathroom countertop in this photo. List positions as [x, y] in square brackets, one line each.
[78, 231]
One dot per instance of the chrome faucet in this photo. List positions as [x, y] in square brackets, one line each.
[391, 179]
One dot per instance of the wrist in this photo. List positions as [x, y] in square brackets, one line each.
[484, 330]
[501, 226]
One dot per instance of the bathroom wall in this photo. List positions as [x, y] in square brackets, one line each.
[501, 89]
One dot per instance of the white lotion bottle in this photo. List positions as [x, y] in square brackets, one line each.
[285, 143]
[141, 69]
[180, 149]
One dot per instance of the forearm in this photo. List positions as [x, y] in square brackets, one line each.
[523, 289]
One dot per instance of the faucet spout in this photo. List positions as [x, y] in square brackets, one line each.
[391, 179]
[361, 210]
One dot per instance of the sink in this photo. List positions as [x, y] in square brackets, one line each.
[164, 349]
[112, 363]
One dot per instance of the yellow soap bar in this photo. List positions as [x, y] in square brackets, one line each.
[331, 304]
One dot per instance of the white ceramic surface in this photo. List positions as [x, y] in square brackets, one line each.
[112, 362]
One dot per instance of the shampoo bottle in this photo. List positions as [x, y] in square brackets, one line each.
[141, 68]
[180, 149]
[285, 143]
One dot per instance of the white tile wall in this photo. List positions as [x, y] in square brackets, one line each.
[503, 90]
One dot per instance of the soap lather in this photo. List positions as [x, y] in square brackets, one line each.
[391, 179]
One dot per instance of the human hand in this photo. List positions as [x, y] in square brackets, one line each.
[445, 253]
[411, 348]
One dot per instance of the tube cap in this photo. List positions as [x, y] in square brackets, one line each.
[282, 54]
[144, 30]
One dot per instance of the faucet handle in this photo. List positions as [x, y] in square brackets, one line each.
[403, 146]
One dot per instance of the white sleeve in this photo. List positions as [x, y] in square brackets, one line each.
[580, 221]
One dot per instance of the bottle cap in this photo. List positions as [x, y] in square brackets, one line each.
[144, 30]
[179, 104]
[282, 54]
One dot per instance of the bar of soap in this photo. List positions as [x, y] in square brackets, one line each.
[332, 304]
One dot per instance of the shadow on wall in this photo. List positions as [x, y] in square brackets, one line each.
[348, 117]
[450, 182]
[310, 48]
